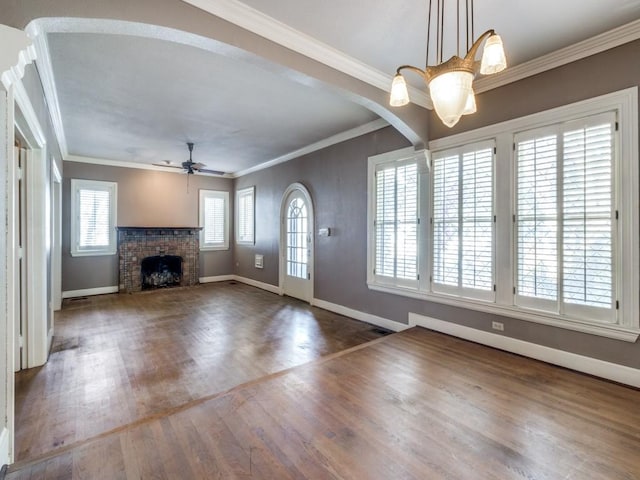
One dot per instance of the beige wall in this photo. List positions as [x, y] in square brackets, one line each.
[145, 198]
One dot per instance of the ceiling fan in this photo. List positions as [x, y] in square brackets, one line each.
[190, 167]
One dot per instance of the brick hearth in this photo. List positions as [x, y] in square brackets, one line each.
[137, 243]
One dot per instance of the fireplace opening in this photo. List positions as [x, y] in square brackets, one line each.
[161, 271]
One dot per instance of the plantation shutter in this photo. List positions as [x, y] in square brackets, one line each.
[246, 216]
[94, 218]
[463, 221]
[214, 221]
[396, 221]
[565, 218]
[537, 216]
[588, 214]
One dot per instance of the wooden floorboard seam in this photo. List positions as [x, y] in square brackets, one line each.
[28, 463]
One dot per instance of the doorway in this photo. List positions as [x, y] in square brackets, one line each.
[296, 243]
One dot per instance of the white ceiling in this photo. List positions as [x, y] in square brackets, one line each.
[136, 99]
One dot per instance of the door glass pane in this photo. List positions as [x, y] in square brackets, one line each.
[297, 238]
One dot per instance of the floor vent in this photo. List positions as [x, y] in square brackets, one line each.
[381, 331]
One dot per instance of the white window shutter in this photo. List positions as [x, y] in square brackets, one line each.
[396, 221]
[463, 252]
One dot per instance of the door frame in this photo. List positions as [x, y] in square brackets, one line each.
[283, 232]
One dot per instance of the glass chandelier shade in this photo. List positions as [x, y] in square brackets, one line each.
[450, 92]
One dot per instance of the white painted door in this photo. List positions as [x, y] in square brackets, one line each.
[297, 252]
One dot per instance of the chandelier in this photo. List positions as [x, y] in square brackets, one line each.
[450, 83]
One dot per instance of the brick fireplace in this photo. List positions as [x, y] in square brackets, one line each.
[135, 244]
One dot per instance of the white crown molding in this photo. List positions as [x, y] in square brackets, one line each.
[573, 361]
[268, 27]
[16, 53]
[327, 142]
[45, 71]
[600, 43]
[126, 164]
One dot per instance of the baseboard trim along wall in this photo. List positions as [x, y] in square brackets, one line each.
[358, 315]
[218, 278]
[87, 292]
[248, 281]
[4, 447]
[580, 363]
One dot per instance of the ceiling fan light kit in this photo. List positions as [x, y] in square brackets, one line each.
[450, 83]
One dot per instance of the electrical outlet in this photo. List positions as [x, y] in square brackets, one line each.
[497, 326]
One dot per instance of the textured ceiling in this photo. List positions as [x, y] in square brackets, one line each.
[138, 97]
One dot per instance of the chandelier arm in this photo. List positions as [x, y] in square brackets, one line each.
[417, 70]
[471, 54]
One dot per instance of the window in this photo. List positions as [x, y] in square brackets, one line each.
[534, 218]
[93, 217]
[395, 219]
[462, 225]
[214, 220]
[565, 218]
[245, 216]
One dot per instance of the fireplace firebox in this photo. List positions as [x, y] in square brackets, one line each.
[160, 271]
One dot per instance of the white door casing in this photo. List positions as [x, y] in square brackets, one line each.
[297, 243]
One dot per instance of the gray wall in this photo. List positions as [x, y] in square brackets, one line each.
[145, 198]
[337, 180]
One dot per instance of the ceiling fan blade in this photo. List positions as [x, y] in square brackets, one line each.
[211, 172]
[164, 165]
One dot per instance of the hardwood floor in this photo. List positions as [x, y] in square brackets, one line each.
[412, 405]
[120, 358]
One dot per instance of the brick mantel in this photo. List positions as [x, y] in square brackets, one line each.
[137, 243]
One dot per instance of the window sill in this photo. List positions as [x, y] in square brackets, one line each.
[98, 253]
[214, 249]
[615, 332]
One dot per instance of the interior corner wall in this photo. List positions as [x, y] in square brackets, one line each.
[337, 180]
[145, 198]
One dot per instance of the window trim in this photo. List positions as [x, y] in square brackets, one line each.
[625, 103]
[110, 187]
[224, 245]
[249, 191]
[404, 155]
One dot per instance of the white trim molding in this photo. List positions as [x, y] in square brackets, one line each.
[4, 447]
[600, 43]
[217, 278]
[268, 27]
[255, 283]
[17, 52]
[314, 147]
[87, 292]
[573, 361]
[359, 315]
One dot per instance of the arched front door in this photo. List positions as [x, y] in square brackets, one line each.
[296, 243]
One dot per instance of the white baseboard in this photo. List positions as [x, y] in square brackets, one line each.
[580, 363]
[89, 291]
[218, 278]
[255, 283]
[358, 315]
[4, 447]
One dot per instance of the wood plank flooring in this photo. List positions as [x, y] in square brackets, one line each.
[117, 359]
[412, 405]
